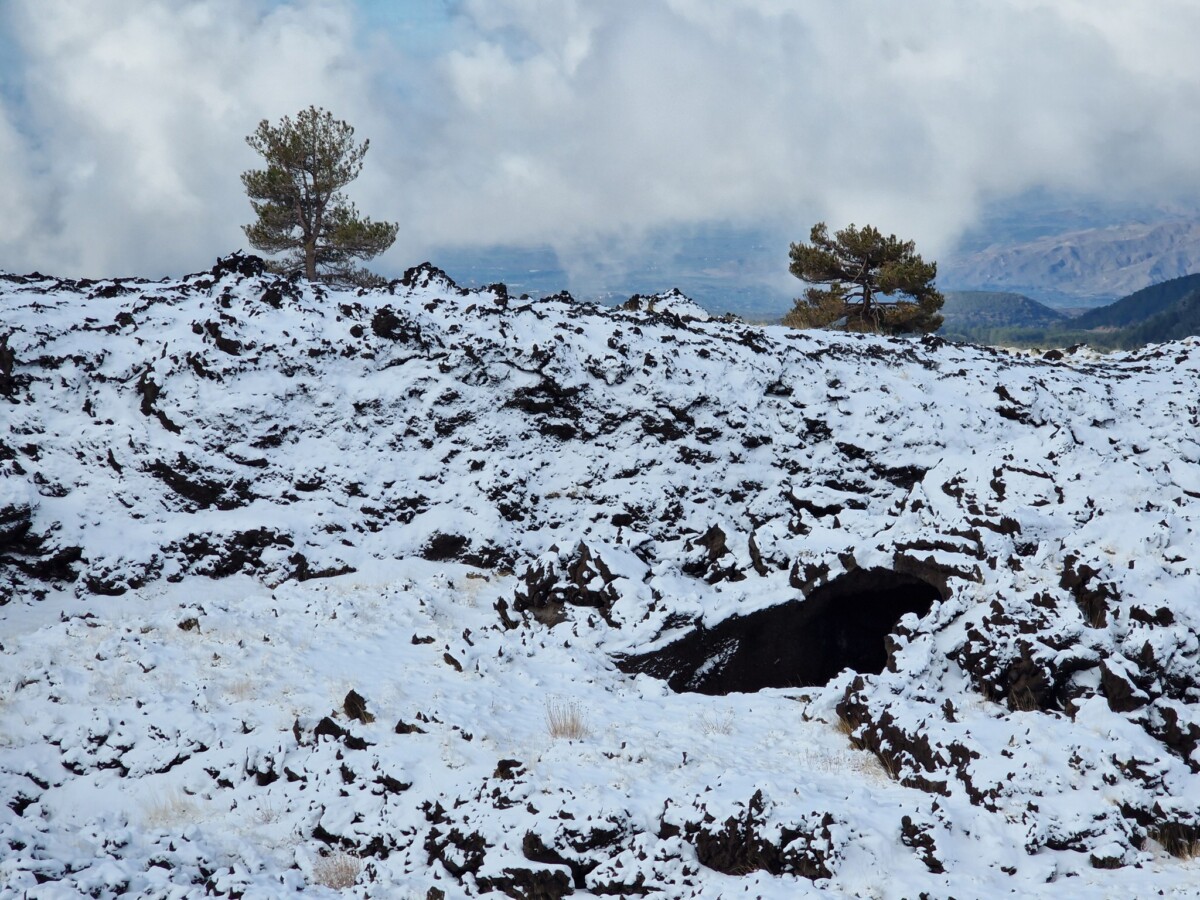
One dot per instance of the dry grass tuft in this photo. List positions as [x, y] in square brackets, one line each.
[817, 759]
[242, 690]
[170, 809]
[1177, 841]
[564, 719]
[712, 724]
[1024, 700]
[266, 814]
[338, 870]
[889, 767]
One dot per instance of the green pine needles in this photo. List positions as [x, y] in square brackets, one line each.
[298, 201]
[872, 283]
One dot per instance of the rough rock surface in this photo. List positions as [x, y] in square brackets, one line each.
[463, 505]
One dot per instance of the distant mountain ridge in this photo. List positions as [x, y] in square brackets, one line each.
[1087, 267]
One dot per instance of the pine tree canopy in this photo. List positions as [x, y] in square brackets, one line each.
[872, 283]
[298, 201]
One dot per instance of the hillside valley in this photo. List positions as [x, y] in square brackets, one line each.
[987, 316]
[437, 592]
[1165, 311]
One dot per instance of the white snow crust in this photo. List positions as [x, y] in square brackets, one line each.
[229, 500]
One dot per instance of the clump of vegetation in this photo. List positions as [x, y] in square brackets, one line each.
[1178, 840]
[170, 810]
[712, 724]
[872, 283]
[337, 871]
[564, 719]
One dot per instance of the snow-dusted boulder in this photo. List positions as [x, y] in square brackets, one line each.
[673, 302]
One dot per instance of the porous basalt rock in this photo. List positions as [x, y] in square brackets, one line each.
[237, 263]
[919, 836]
[559, 580]
[201, 489]
[751, 840]
[393, 326]
[704, 556]
[8, 360]
[220, 555]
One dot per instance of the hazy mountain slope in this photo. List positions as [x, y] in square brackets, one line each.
[974, 315]
[1094, 265]
[997, 308]
[1140, 305]
[1178, 321]
[553, 508]
[1161, 312]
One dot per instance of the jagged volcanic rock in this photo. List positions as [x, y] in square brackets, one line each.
[476, 510]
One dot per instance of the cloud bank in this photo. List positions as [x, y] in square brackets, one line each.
[586, 125]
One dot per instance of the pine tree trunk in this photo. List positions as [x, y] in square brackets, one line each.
[310, 260]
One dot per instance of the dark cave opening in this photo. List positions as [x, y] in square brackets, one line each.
[839, 625]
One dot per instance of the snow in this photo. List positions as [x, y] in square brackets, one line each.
[374, 477]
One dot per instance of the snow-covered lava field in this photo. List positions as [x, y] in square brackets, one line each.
[424, 592]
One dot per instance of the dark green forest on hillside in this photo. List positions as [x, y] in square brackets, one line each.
[1141, 306]
[1162, 312]
[983, 316]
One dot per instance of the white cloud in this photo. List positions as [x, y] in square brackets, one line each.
[581, 124]
[18, 200]
[909, 115]
[137, 110]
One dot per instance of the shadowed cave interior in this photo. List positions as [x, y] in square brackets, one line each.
[806, 642]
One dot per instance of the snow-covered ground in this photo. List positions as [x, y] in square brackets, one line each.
[455, 530]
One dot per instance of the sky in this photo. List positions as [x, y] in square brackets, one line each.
[599, 132]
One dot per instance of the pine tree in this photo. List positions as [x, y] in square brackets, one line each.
[874, 283]
[299, 204]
